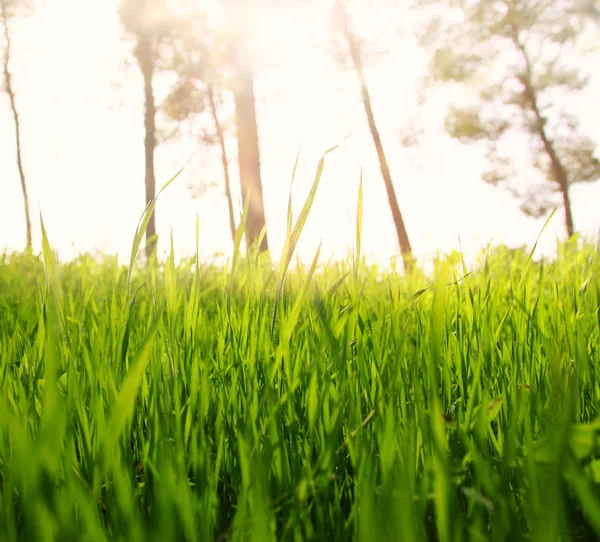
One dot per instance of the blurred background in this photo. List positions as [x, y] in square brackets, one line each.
[468, 121]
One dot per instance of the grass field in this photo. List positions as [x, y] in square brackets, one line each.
[164, 402]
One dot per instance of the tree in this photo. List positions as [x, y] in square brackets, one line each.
[8, 10]
[245, 120]
[189, 98]
[210, 93]
[197, 60]
[149, 22]
[209, 56]
[342, 20]
[518, 55]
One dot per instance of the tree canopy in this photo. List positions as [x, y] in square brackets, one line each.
[524, 65]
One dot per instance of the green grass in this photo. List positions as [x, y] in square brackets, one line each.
[164, 402]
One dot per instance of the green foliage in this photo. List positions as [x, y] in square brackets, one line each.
[516, 57]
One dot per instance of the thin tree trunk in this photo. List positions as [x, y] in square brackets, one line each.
[224, 159]
[11, 96]
[146, 63]
[401, 232]
[249, 159]
[247, 129]
[558, 170]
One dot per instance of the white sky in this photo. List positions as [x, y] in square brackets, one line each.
[81, 109]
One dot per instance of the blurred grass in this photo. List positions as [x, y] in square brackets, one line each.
[190, 402]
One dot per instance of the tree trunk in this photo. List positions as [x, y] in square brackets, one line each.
[401, 232]
[246, 126]
[569, 224]
[224, 159]
[11, 96]
[558, 170]
[249, 159]
[146, 63]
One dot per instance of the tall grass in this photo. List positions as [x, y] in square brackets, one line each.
[191, 402]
